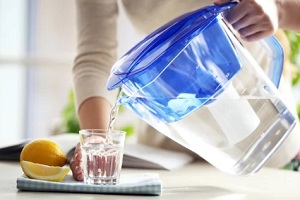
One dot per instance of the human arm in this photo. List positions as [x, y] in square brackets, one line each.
[256, 19]
[96, 53]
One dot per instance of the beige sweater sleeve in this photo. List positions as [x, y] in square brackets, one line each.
[96, 50]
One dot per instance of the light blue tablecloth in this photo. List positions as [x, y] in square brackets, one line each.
[137, 184]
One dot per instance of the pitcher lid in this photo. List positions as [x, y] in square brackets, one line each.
[176, 33]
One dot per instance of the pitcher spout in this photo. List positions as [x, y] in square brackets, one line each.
[123, 98]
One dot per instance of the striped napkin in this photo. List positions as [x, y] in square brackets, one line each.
[136, 184]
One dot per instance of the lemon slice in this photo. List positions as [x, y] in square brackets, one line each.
[44, 172]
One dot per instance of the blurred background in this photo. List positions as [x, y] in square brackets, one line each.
[37, 49]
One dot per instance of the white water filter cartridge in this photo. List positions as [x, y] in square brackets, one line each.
[234, 115]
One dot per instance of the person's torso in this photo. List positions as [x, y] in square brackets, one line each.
[148, 15]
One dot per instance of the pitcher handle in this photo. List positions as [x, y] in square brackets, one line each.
[270, 44]
[275, 50]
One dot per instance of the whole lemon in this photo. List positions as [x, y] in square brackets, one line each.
[43, 151]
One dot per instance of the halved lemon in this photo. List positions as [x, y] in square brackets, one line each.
[44, 172]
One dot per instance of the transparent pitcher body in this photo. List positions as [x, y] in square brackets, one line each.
[236, 129]
[196, 83]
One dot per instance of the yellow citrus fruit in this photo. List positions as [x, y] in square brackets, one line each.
[44, 172]
[44, 152]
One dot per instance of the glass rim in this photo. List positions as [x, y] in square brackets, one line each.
[101, 131]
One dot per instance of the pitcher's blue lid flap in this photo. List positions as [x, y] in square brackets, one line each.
[176, 34]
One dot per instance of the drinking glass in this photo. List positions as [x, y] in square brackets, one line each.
[102, 155]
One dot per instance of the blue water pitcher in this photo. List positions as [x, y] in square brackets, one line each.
[194, 81]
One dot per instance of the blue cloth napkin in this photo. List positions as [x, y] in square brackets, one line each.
[137, 184]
